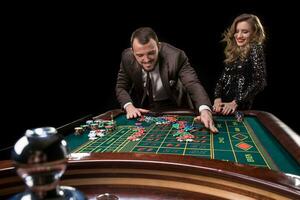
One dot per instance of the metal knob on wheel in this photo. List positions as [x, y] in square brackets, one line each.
[40, 159]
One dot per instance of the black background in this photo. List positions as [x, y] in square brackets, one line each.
[60, 62]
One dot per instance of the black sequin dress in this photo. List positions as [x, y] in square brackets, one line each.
[243, 79]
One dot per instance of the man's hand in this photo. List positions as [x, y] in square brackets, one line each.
[207, 119]
[133, 112]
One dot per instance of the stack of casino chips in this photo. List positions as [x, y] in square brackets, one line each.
[85, 127]
[185, 136]
[239, 116]
[101, 127]
[138, 133]
[184, 131]
[110, 126]
[96, 128]
[78, 131]
[89, 122]
[164, 120]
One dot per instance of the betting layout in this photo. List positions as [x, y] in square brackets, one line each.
[100, 128]
[171, 134]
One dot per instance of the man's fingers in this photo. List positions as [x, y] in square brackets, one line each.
[137, 113]
[206, 124]
[197, 119]
[143, 110]
[133, 114]
[212, 127]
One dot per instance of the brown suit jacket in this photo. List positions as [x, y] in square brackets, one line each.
[178, 77]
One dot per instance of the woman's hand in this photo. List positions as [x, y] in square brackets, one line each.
[229, 107]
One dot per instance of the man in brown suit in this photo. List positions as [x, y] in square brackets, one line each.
[158, 76]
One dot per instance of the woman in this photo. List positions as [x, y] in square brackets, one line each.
[244, 75]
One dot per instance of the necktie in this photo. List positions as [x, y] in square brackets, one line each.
[148, 90]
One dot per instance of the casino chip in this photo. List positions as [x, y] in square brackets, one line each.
[78, 131]
[239, 116]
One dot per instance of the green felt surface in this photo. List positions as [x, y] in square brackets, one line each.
[246, 142]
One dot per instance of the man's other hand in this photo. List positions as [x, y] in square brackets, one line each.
[133, 112]
[207, 119]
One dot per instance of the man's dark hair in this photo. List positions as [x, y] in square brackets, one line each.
[143, 35]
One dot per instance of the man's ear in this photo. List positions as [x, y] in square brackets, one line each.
[159, 45]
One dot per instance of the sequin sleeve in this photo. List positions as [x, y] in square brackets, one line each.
[219, 85]
[258, 75]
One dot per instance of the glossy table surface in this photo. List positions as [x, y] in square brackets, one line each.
[167, 176]
[246, 142]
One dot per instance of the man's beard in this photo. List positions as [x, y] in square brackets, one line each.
[151, 68]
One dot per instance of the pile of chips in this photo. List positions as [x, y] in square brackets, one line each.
[100, 128]
[239, 116]
[97, 128]
[184, 132]
[164, 120]
[138, 133]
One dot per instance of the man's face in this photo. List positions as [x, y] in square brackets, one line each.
[145, 54]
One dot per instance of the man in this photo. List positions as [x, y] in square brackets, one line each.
[159, 76]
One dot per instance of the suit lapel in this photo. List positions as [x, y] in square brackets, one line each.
[164, 74]
[138, 76]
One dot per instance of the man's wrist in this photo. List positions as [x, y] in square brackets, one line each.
[127, 104]
[204, 107]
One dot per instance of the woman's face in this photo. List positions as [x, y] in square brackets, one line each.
[243, 32]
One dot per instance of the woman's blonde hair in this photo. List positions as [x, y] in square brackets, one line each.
[232, 50]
